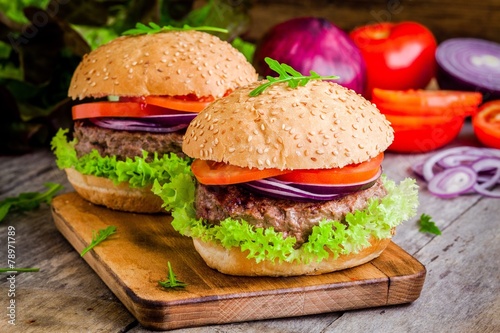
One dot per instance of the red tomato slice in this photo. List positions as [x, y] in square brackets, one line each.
[486, 124]
[218, 173]
[354, 173]
[426, 102]
[177, 103]
[116, 109]
[422, 134]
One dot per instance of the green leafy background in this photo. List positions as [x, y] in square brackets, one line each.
[42, 42]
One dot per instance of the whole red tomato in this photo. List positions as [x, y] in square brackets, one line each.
[398, 56]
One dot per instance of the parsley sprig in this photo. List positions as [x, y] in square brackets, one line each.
[171, 280]
[28, 200]
[287, 74]
[153, 28]
[427, 225]
[98, 237]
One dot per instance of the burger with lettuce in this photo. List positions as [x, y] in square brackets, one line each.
[287, 180]
[138, 94]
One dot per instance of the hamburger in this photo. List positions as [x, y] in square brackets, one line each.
[138, 94]
[288, 182]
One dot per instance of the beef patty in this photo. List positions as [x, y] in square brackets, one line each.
[124, 144]
[293, 218]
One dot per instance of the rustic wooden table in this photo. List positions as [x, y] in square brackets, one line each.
[461, 291]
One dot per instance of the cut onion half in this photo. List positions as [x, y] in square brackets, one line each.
[469, 64]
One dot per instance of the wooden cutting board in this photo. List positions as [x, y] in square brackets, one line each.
[132, 261]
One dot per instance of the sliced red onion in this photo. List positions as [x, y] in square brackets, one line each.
[428, 168]
[462, 170]
[158, 124]
[469, 64]
[452, 182]
[299, 192]
[454, 160]
[488, 163]
[486, 192]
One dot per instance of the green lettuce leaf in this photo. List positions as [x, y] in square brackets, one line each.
[376, 220]
[138, 172]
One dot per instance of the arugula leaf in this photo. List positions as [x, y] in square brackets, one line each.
[153, 28]
[29, 200]
[427, 225]
[98, 237]
[171, 280]
[287, 74]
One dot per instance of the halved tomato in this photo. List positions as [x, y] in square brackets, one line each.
[426, 102]
[218, 173]
[116, 109]
[354, 173]
[486, 124]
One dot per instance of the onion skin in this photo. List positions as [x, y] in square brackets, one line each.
[310, 43]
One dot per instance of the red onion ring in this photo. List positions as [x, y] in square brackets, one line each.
[300, 192]
[452, 182]
[461, 170]
[157, 124]
[486, 164]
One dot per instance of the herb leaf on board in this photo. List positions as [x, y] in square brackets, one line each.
[171, 280]
[98, 237]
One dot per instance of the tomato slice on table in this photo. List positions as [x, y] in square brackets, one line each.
[486, 124]
[426, 102]
[116, 109]
[415, 134]
[350, 174]
[218, 173]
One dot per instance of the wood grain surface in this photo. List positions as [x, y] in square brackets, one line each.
[132, 261]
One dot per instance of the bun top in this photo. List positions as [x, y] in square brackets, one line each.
[169, 63]
[317, 126]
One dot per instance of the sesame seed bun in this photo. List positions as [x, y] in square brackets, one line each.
[317, 126]
[234, 261]
[102, 191]
[173, 63]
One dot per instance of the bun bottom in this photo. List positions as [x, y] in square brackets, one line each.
[234, 261]
[122, 197]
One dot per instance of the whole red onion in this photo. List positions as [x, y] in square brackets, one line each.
[311, 43]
